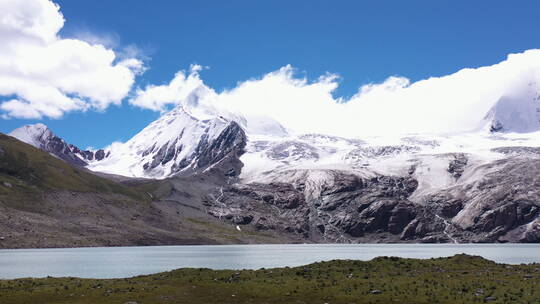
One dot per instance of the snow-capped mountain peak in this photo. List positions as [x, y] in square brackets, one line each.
[40, 136]
[180, 141]
[518, 112]
[34, 135]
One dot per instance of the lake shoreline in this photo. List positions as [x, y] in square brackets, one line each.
[263, 244]
[460, 278]
[125, 262]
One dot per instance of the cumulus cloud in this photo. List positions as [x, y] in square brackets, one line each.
[453, 103]
[43, 74]
[159, 97]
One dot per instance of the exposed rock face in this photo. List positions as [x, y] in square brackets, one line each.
[347, 208]
[292, 150]
[518, 151]
[457, 165]
[222, 151]
[232, 140]
[502, 206]
[496, 126]
[380, 151]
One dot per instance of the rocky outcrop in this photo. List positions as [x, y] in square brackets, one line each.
[370, 152]
[502, 206]
[518, 151]
[457, 165]
[347, 208]
[232, 140]
[292, 150]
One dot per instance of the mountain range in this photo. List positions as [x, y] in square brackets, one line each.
[262, 182]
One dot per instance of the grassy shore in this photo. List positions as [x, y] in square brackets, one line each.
[458, 279]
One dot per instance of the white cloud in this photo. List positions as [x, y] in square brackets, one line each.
[158, 97]
[108, 40]
[453, 103]
[43, 74]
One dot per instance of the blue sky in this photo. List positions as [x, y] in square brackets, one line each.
[361, 41]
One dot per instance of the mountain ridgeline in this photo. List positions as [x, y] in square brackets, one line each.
[213, 177]
[41, 137]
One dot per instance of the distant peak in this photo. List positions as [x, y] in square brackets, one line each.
[33, 134]
[520, 114]
[37, 126]
[32, 129]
